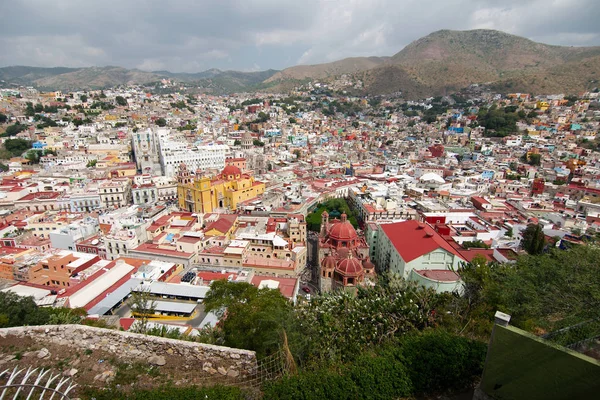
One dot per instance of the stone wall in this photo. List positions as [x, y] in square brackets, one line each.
[212, 360]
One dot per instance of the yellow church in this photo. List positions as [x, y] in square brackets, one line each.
[224, 191]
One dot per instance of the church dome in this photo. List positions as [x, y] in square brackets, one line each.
[367, 264]
[328, 262]
[231, 170]
[350, 266]
[343, 230]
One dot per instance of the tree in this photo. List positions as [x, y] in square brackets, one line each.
[545, 292]
[83, 98]
[297, 153]
[143, 306]
[3, 118]
[339, 326]
[121, 101]
[16, 311]
[223, 293]
[262, 117]
[534, 159]
[92, 163]
[13, 130]
[533, 239]
[497, 121]
[237, 142]
[161, 122]
[34, 155]
[255, 319]
[17, 146]
[292, 120]
[29, 111]
[258, 143]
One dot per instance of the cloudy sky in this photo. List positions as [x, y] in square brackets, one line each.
[248, 35]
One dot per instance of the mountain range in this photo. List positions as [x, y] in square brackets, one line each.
[440, 63]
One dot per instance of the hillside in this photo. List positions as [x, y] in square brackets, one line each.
[446, 61]
[26, 75]
[213, 80]
[322, 71]
[95, 78]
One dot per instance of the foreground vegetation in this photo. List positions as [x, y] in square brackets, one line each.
[168, 393]
[392, 340]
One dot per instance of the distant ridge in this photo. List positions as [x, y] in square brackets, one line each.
[439, 63]
[60, 78]
[447, 60]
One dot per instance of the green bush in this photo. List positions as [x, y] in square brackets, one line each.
[168, 393]
[439, 361]
[17, 311]
[380, 377]
[368, 377]
[315, 385]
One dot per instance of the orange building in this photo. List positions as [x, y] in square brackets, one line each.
[57, 269]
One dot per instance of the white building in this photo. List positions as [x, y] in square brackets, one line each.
[173, 152]
[145, 150]
[115, 193]
[414, 251]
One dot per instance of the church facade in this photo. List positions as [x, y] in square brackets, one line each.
[220, 193]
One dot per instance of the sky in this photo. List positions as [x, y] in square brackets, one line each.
[253, 35]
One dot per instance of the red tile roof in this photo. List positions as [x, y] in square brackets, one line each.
[413, 239]
[286, 285]
[223, 224]
[40, 196]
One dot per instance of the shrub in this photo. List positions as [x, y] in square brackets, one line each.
[168, 393]
[380, 377]
[369, 377]
[317, 385]
[439, 361]
[16, 311]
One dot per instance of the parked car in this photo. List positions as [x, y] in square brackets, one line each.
[306, 289]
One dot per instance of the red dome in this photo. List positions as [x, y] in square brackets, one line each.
[367, 264]
[328, 262]
[342, 231]
[231, 170]
[350, 266]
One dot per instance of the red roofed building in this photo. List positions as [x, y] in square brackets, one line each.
[39, 201]
[412, 245]
[287, 286]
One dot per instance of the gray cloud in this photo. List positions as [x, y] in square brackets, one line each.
[191, 36]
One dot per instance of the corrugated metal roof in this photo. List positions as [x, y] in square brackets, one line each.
[115, 297]
[171, 306]
[173, 289]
